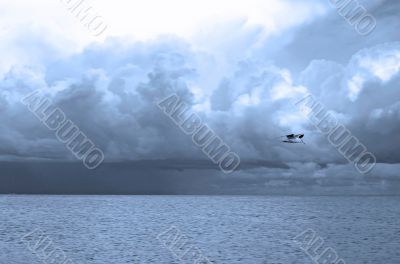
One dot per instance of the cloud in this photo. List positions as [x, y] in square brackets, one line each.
[110, 91]
[113, 101]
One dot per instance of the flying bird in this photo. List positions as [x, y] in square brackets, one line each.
[294, 138]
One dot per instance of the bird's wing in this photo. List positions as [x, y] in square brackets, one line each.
[291, 136]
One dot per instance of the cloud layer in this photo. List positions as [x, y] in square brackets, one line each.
[242, 91]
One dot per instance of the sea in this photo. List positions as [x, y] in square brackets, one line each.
[219, 229]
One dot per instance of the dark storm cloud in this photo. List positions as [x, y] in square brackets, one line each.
[174, 177]
[111, 92]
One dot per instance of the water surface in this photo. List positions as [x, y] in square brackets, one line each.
[227, 229]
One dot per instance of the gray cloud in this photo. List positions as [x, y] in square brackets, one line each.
[110, 91]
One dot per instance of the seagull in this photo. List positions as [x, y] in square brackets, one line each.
[294, 138]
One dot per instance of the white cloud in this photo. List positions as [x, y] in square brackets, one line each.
[148, 19]
[384, 67]
[355, 86]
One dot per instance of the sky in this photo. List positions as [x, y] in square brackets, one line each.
[240, 66]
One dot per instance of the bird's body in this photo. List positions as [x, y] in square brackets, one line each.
[294, 138]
